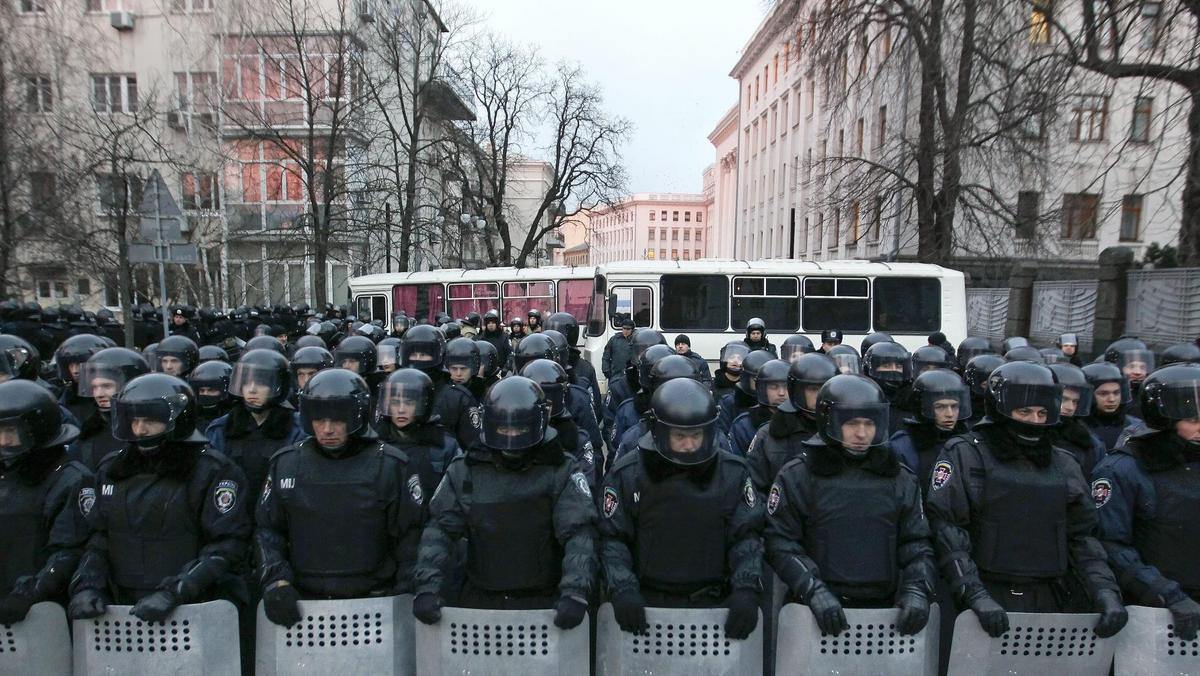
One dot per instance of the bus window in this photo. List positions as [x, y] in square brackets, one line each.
[478, 297]
[694, 302]
[908, 304]
[371, 307]
[573, 297]
[418, 301]
[596, 317]
[521, 297]
[836, 303]
[632, 301]
[774, 299]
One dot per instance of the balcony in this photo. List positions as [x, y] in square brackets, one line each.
[450, 97]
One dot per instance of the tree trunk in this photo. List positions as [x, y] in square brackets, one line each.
[1189, 227]
[125, 278]
[320, 259]
[926, 151]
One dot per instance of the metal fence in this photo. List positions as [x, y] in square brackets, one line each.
[987, 312]
[1063, 307]
[1163, 306]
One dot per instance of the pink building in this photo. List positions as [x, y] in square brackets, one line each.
[651, 226]
[720, 183]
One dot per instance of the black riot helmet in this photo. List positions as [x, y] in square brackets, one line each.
[643, 339]
[553, 379]
[565, 323]
[1022, 385]
[472, 319]
[308, 340]
[971, 347]
[209, 353]
[214, 375]
[387, 354]
[423, 347]
[806, 375]
[732, 356]
[451, 330]
[326, 331]
[373, 332]
[977, 371]
[30, 420]
[463, 352]
[534, 317]
[25, 358]
[940, 395]
[106, 372]
[7, 370]
[1077, 391]
[489, 360]
[261, 378]
[846, 358]
[1103, 373]
[307, 362]
[756, 324]
[1013, 342]
[888, 363]
[754, 361]
[406, 398]
[153, 409]
[515, 414]
[645, 364]
[852, 413]
[180, 348]
[872, 340]
[671, 367]
[355, 353]
[1132, 356]
[562, 350]
[794, 346]
[492, 316]
[771, 385]
[336, 394]
[1025, 353]
[1171, 394]
[929, 357]
[685, 418]
[531, 347]
[74, 351]
[264, 342]
[1181, 353]
[400, 324]
[1053, 355]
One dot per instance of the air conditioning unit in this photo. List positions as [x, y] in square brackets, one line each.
[207, 119]
[122, 21]
[176, 120]
[365, 12]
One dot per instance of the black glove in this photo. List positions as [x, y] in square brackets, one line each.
[85, 605]
[282, 604]
[914, 612]
[1186, 615]
[1113, 615]
[630, 609]
[743, 614]
[427, 608]
[828, 611]
[991, 616]
[14, 607]
[569, 612]
[155, 607]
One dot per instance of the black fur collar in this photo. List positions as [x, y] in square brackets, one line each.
[1002, 442]
[659, 468]
[428, 433]
[784, 424]
[173, 461]
[1162, 451]
[37, 465]
[826, 460]
[241, 423]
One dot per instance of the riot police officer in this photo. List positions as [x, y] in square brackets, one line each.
[871, 340]
[261, 421]
[782, 439]
[1109, 418]
[356, 354]
[1147, 495]
[756, 337]
[181, 325]
[1071, 433]
[618, 351]
[341, 513]
[169, 523]
[210, 382]
[940, 403]
[968, 349]
[845, 525]
[729, 369]
[683, 346]
[890, 366]
[462, 362]
[1011, 515]
[176, 355]
[622, 388]
[493, 332]
[1136, 361]
[846, 358]
[489, 369]
[581, 370]
[44, 501]
[1181, 353]
[69, 359]
[930, 357]
[662, 370]
[633, 408]
[308, 362]
[770, 392]
[1069, 344]
[533, 320]
[209, 353]
[794, 347]
[405, 419]
[424, 347]
[732, 405]
[525, 509]
[975, 375]
[556, 384]
[516, 331]
[681, 522]
[102, 377]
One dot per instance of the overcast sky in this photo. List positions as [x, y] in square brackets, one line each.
[663, 64]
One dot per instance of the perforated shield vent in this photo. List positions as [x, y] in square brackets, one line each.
[135, 636]
[682, 640]
[514, 640]
[868, 639]
[1178, 647]
[336, 631]
[1026, 641]
[8, 642]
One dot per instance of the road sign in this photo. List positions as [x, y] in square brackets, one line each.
[160, 215]
[182, 254]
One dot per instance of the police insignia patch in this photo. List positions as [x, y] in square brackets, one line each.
[225, 497]
[942, 471]
[1101, 491]
[610, 502]
[773, 499]
[748, 494]
[476, 418]
[589, 457]
[414, 489]
[87, 498]
[581, 483]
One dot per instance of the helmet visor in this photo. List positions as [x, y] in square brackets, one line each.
[348, 410]
[685, 445]
[886, 368]
[210, 391]
[847, 363]
[1032, 404]
[402, 403]
[732, 356]
[858, 426]
[423, 354]
[146, 420]
[946, 407]
[771, 393]
[256, 385]
[18, 356]
[966, 354]
[16, 439]
[1136, 364]
[508, 429]
[1180, 400]
[803, 395]
[790, 352]
[1076, 401]
[387, 357]
[98, 381]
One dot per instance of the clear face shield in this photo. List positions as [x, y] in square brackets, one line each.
[857, 427]
[402, 404]
[1076, 401]
[146, 423]
[255, 385]
[1036, 405]
[100, 383]
[16, 439]
[685, 445]
[946, 407]
[332, 421]
[1136, 364]
[847, 363]
[512, 431]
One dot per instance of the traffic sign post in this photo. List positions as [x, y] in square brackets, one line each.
[162, 223]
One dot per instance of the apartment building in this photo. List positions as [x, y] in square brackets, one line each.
[651, 226]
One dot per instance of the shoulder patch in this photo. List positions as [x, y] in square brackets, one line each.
[748, 493]
[773, 499]
[610, 502]
[266, 491]
[942, 471]
[589, 456]
[477, 417]
[581, 483]
[1101, 491]
[225, 497]
[414, 489]
[87, 499]
[753, 444]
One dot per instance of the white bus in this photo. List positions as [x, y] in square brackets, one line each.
[708, 300]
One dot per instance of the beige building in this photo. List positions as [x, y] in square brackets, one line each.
[720, 184]
[650, 226]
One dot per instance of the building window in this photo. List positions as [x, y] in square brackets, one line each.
[674, 234]
[651, 234]
[699, 216]
[774, 297]
[189, 6]
[854, 222]
[39, 95]
[1039, 22]
[674, 215]
[1139, 129]
[698, 233]
[687, 235]
[117, 193]
[697, 256]
[41, 190]
[1131, 217]
[881, 131]
[33, 7]
[1029, 205]
[652, 214]
[196, 91]
[858, 136]
[662, 254]
[49, 288]
[811, 91]
[114, 93]
[103, 5]
[836, 303]
[841, 146]
[663, 215]
[674, 254]
[687, 255]
[1088, 119]
[1079, 214]
[876, 219]
[200, 192]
